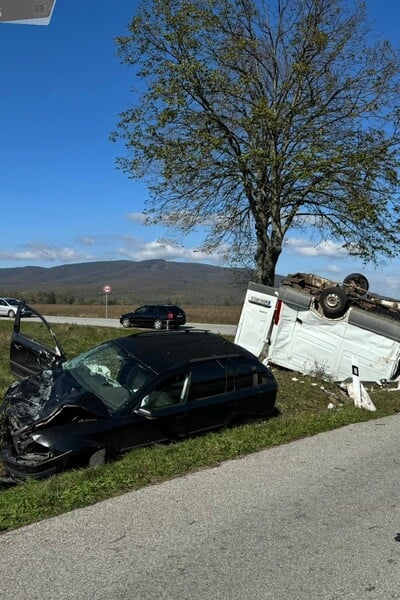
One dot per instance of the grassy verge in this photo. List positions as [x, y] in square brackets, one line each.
[302, 406]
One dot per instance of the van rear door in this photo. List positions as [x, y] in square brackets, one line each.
[257, 318]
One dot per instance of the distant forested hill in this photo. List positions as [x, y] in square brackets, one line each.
[132, 283]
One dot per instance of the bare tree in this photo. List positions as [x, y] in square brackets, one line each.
[256, 118]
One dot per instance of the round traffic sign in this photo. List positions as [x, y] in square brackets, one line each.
[107, 289]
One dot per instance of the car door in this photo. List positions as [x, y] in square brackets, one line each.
[166, 404]
[211, 396]
[33, 346]
[151, 315]
[140, 317]
[159, 415]
[149, 427]
[255, 387]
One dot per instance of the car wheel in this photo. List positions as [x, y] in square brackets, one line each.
[126, 323]
[98, 458]
[333, 301]
[11, 314]
[157, 324]
[357, 280]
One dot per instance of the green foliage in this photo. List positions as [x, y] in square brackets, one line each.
[259, 117]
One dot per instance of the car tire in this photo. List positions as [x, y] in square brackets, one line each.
[334, 301]
[11, 314]
[157, 324]
[126, 323]
[357, 280]
[97, 458]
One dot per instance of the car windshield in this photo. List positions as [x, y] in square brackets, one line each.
[111, 373]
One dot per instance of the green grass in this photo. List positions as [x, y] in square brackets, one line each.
[302, 411]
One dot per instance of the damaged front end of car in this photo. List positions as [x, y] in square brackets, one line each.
[25, 457]
[34, 434]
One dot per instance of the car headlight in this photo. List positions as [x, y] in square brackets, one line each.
[27, 448]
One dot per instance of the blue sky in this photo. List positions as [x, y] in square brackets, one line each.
[62, 199]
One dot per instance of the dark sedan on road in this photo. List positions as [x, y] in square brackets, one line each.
[127, 392]
[155, 316]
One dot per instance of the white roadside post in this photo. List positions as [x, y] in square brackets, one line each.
[356, 383]
[358, 392]
[107, 289]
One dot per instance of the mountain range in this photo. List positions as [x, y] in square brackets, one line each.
[131, 282]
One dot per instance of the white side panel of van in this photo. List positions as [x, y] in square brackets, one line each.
[308, 343]
[256, 318]
[304, 342]
[377, 356]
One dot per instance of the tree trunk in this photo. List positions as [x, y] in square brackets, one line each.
[266, 257]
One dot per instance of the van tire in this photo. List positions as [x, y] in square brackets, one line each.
[334, 301]
[358, 280]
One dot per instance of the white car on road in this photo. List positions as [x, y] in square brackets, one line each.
[9, 307]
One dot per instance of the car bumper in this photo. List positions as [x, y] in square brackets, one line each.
[22, 468]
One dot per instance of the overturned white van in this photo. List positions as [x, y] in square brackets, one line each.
[312, 325]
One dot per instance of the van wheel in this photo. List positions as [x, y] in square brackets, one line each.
[357, 280]
[333, 301]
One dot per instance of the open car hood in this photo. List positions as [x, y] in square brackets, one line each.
[50, 396]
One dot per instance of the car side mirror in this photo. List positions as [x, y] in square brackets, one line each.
[145, 412]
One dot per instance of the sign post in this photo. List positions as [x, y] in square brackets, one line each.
[107, 289]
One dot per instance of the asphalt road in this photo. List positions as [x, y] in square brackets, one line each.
[317, 519]
[214, 328]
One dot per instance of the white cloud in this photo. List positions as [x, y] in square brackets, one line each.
[96, 241]
[334, 269]
[37, 252]
[160, 249]
[136, 217]
[87, 240]
[308, 248]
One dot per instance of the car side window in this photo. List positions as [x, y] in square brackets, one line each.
[142, 309]
[39, 333]
[2, 303]
[247, 374]
[208, 378]
[171, 392]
